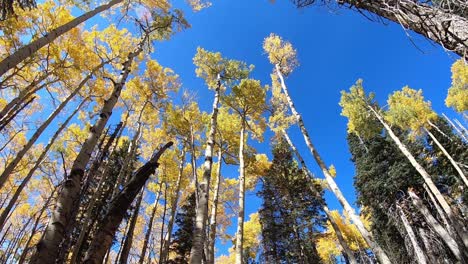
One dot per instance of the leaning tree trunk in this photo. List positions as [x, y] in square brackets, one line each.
[240, 216]
[449, 157]
[196, 253]
[347, 252]
[131, 229]
[420, 256]
[434, 224]
[5, 121]
[103, 238]
[167, 240]
[10, 167]
[427, 179]
[24, 52]
[368, 237]
[214, 211]
[19, 189]
[68, 199]
[434, 23]
[150, 227]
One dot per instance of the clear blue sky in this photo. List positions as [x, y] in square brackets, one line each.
[335, 48]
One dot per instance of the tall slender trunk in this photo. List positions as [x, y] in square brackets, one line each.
[427, 179]
[167, 240]
[214, 211]
[163, 223]
[194, 163]
[10, 167]
[368, 237]
[26, 51]
[460, 133]
[131, 229]
[7, 119]
[38, 163]
[240, 216]
[196, 252]
[118, 207]
[449, 157]
[68, 199]
[420, 256]
[347, 252]
[150, 226]
[432, 222]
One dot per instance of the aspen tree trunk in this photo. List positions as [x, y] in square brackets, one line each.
[368, 237]
[427, 179]
[167, 240]
[460, 133]
[420, 256]
[131, 229]
[150, 227]
[118, 207]
[86, 222]
[5, 121]
[240, 216]
[24, 52]
[194, 164]
[196, 252]
[349, 255]
[214, 212]
[10, 167]
[38, 163]
[449, 157]
[432, 222]
[427, 245]
[68, 199]
[161, 238]
[17, 241]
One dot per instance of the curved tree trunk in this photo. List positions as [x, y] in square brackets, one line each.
[24, 52]
[118, 207]
[196, 252]
[349, 255]
[449, 157]
[38, 163]
[214, 210]
[68, 199]
[240, 216]
[378, 251]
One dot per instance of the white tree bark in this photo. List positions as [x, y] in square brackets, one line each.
[214, 211]
[378, 251]
[241, 213]
[420, 256]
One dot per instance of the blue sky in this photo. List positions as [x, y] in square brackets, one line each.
[335, 48]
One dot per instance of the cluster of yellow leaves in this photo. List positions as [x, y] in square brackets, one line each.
[355, 107]
[279, 120]
[408, 110]
[458, 94]
[281, 53]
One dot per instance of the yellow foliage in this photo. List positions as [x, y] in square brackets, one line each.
[281, 53]
[458, 93]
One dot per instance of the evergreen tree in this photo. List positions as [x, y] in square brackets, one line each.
[182, 239]
[290, 215]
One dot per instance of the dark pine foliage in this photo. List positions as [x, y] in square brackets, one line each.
[290, 215]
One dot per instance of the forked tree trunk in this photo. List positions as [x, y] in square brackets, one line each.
[426, 177]
[118, 207]
[196, 252]
[345, 249]
[240, 217]
[68, 199]
[26, 51]
[38, 163]
[449, 157]
[131, 230]
[378, 251]
[174, 203]
[150, 227]
[434, 224]
[420, 256]
[214, 211]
